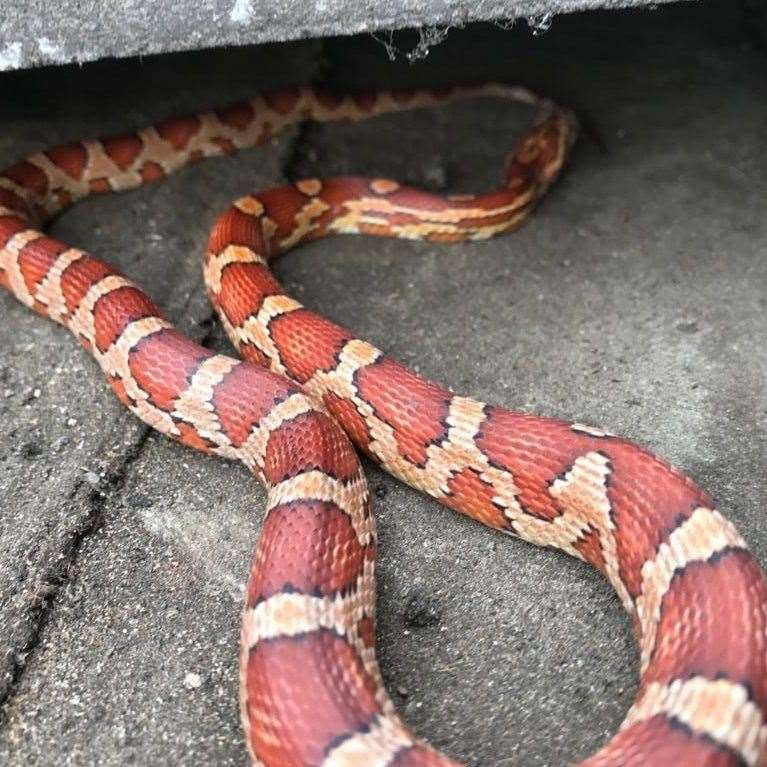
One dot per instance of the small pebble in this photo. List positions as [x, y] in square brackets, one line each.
[92, 478]
[688, 327]
[192, 681]
[140, 501]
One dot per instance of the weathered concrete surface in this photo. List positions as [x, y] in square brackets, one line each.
[39, 32]
[635, 298]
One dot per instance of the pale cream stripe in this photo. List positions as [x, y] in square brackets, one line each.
[586, 475]
[304, 222]
[719, 709]
[368, 657]
[385, 101]
[268, 229]
[309, 186]
[425, 228]
[351, 497]
[213, 128]
[101, 165]
[456, 453]
[697, 539]
[9, 262]
[255, 329]
[157, 150]
[486, 231]
[83, 320]
[253, 450]
[49, 292]
[249, 205]
[366, 206]
[195, 404]
[590, 430]
[419, 231]
[253, 332]
[376, 747]
[459, 451]
[265, 116]
[115, 362]
[273, 306]
[465, 418]
[354, 356]
[57, 180]
[237, 335]
[287, 615]
[216, 263]
[583, 492]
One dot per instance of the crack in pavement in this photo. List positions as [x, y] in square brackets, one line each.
[64, 551]
[61, 553]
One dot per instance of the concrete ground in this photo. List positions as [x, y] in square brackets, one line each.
[634, 298]
[38, 32]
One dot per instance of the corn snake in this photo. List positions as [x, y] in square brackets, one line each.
[311, 689]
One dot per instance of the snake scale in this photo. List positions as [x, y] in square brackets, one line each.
[311, 691]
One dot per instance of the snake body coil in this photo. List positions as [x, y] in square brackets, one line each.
[311, 691]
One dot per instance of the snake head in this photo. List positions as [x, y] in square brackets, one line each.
[543, 152]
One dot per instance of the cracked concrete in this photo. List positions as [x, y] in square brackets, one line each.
[633, 299]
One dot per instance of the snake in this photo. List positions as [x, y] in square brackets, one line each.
[305, 393]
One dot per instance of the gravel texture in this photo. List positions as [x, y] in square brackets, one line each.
[634, 298]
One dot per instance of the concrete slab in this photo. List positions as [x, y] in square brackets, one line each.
[38, 32]
[633, 299]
